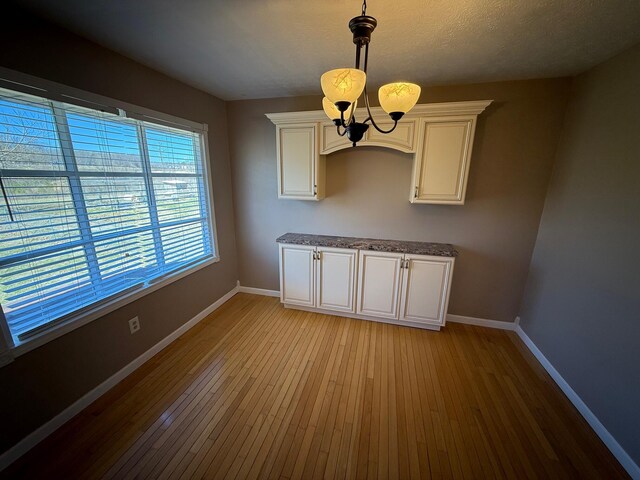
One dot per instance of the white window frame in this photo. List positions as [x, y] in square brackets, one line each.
[24, 83]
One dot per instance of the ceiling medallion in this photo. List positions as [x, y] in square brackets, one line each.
[343, 86]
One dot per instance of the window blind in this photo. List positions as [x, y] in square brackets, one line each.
[93, 205]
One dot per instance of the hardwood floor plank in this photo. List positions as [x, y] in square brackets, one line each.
[400, 413]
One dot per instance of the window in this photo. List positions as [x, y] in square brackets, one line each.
[94, 205]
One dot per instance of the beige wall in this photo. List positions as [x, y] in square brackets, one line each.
[41, 383]
[582, 301]
[368, 188]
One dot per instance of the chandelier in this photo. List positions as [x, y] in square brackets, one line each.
[343, 86]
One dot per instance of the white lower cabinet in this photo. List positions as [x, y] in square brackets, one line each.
[336, 278]
[297, 275]
[318, 277]
[379, 284]
[425, 289]
[393, 287]
[413, 289]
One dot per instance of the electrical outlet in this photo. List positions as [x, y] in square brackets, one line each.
[134, 325]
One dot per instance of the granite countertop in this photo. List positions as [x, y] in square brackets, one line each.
[396, 246]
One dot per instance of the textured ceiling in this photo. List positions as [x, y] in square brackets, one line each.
[268, 48]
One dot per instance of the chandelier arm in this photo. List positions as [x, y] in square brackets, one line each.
[366, 98]
[344, 131]
[395, 124]
[370, 117]
[338, 130]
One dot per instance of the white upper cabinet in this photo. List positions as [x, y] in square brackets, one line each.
[299, 168]
[336, 279]
[442, 161]
[425, 289]
[440, 135]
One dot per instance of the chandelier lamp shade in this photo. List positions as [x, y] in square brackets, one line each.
[343, 87]
[343, 84]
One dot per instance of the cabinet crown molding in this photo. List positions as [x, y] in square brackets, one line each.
[474, 107]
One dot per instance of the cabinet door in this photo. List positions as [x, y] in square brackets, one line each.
[297, 275]
[442, 160]
[425, 289]
[379, 284]
[297, 161]
[336, 279]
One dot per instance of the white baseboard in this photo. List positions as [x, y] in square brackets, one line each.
[616, 449]
[482, 322]
[259, 291]
[35, 437]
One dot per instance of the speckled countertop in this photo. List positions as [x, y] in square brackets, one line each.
[396, 246]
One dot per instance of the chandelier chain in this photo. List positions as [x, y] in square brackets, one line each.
[364, 7]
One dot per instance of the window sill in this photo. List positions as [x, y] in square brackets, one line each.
[100, 311]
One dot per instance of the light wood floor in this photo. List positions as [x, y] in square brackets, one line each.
[259, 391]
